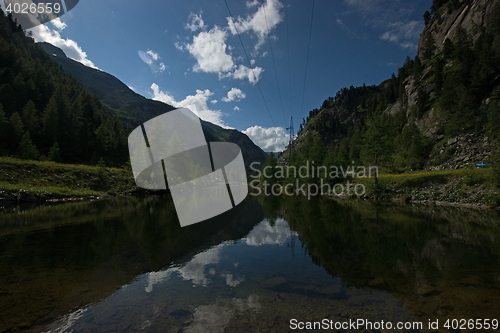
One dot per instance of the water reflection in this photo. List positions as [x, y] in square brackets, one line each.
[125, 265]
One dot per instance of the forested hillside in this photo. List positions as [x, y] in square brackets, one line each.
[133, 109]
[46, 114]
[440, 110]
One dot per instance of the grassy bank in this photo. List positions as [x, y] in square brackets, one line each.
[22, 180]
[474, 187]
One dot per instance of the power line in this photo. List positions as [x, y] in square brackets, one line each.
[288, 49]
[253, 72]
[307, 61]
[274, 63]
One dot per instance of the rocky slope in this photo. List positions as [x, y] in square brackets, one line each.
[454, 128]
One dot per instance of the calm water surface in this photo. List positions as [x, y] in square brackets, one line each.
[125, 265]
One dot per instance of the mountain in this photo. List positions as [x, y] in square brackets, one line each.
[133, 109]
[440, 111]
[46, 114]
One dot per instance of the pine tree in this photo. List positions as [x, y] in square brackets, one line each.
[4, 125]
[27, 150]
[17, 125]
[429, 46]
[427, 17]
[438, 76]
[417, 68]
[269, 170]
[448, 48]
[29, 116]
[51, 121]
[54, 154]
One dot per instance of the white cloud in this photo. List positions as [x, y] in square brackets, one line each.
[236, 108]
[261, 22]
[404, 33]
[269, 139]
[234, 95]
[264, 233]
[43, 33]
[153, 55]
[200, 100]
[243, 72]
[60, 25]
[209, 50]
[196, 270]
[179, 46]
[251, 4]
[231, 281]
[214, 101]
[195, 22]
[152, 58]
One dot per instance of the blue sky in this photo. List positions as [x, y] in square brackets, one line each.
[188, 52]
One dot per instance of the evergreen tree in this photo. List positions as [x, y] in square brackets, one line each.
[417, 67]
[29, 115]
[448, 48]
[51, 121]
[54, 154]
[427, 17]
[27, 150]
[269, 170]
[17, 125]
[462, 44]
[376, 142]
[4, 127]
[438, 76]
[429, 46]
[422, 99]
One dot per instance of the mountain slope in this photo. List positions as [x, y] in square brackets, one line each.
[440, 111]
[133, 109]
[46, 114]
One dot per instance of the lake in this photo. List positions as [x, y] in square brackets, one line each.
[269, 265]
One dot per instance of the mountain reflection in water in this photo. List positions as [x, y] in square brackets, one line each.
[126, 265]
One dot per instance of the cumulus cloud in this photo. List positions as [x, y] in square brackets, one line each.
[265, 234]
[196, 270]
[153, 55]
[269, 139]
[234, 95]
[200, 100]
[212, 53]
[60, 25]
[195, 22]
[43, 33]
[243, 72]
[264, 20]
[236, 108]
[209, 50]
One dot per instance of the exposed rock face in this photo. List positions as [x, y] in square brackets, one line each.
[471, 16]
[462, 152]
